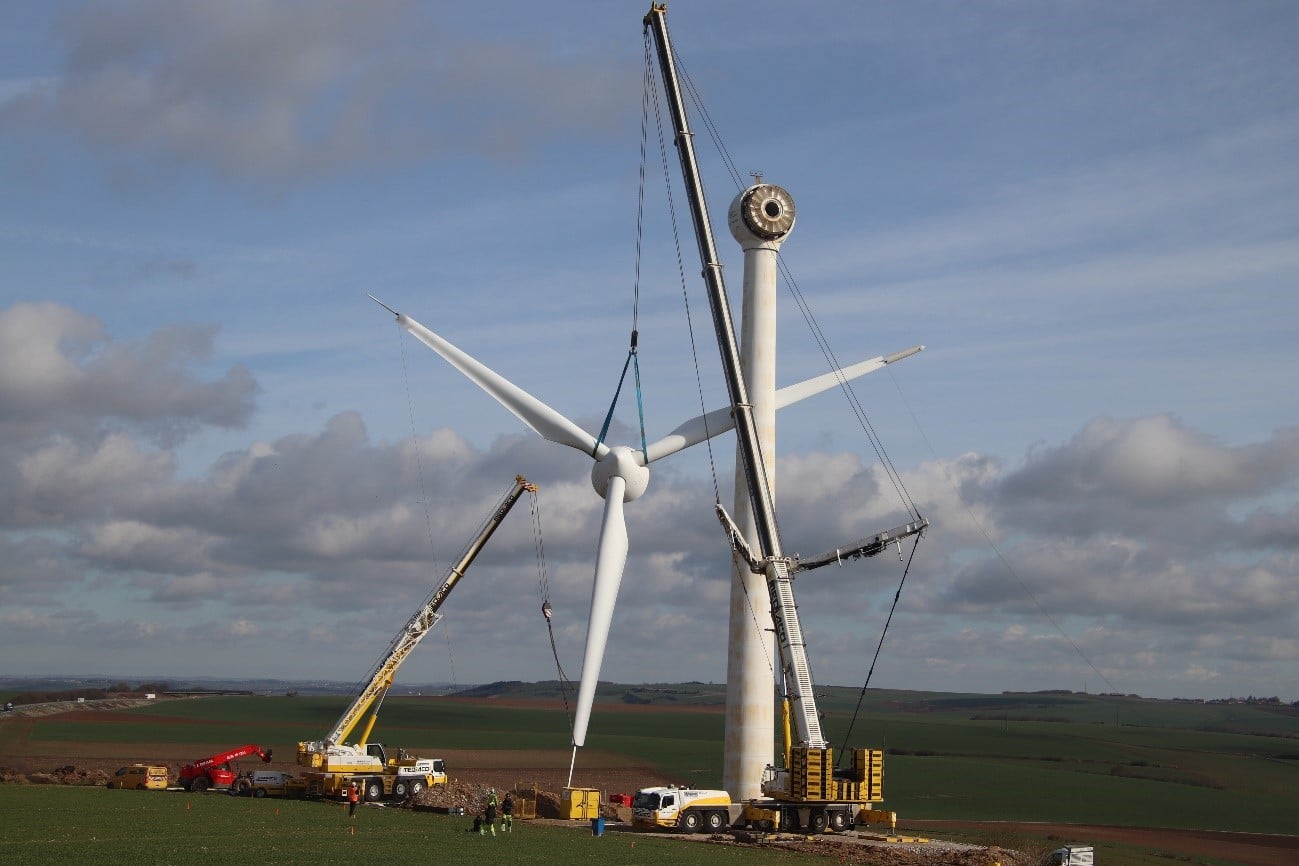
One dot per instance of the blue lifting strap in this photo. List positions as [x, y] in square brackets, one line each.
[640, 406]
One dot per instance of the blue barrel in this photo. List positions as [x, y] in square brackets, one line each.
[597, 826]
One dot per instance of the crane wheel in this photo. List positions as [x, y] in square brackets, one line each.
[400, 789]
[691, 822]
[715, 821]
[839, 821]
[817, 821]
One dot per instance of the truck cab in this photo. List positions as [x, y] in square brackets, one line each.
[1072, 855]
[418, 773]
[433, 768]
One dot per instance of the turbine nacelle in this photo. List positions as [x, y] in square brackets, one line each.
[625, 463]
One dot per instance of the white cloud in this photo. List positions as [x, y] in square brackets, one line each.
[280, 92]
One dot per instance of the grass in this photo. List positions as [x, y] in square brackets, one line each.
[57, 825]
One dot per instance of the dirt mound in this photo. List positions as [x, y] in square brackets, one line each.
[65, 775]
[910, 855]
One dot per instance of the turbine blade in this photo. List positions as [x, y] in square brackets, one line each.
[791, 394]
[718, 421]
[610, 560]
[692, 432]
[546, 421]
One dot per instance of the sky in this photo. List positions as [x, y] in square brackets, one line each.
[219, 458]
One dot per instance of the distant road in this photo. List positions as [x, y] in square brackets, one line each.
[50, 708]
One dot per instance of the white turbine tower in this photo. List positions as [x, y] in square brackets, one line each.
[620, 474]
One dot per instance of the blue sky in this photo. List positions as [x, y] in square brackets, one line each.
[220, 458]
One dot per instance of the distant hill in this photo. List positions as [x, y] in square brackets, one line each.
[1256, 716]
[1260, 716]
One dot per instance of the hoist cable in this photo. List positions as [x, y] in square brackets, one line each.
[862, 695]
[446, 630]
[895, 477]
[543, 582]
[804, 308]
[414, 437]
[652, 87]
[718, 144]
[696, 100]
[428, 518]
[635, 315]
[992, 545]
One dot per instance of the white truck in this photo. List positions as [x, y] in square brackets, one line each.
[1072, 855]
[690, 810]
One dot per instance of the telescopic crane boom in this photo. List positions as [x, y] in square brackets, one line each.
[807, 791]
[335, 757]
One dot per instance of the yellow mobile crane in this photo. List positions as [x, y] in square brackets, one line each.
[332, 764]
[807, 792]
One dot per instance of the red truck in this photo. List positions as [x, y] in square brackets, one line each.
[215, 771]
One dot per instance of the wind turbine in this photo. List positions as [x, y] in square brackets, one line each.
[620, 475]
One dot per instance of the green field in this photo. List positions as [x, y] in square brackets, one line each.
[56, 825]
[1051, 758]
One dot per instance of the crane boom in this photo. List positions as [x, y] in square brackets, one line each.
[783, 610]
[419, 625]
[808, 791]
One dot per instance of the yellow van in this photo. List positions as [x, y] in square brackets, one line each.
[140, 777]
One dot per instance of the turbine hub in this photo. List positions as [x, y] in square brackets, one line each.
[763, 212]
[623, 462]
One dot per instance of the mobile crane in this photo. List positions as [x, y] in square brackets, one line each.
[332, 764]
[214, 771]
[807, 792]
